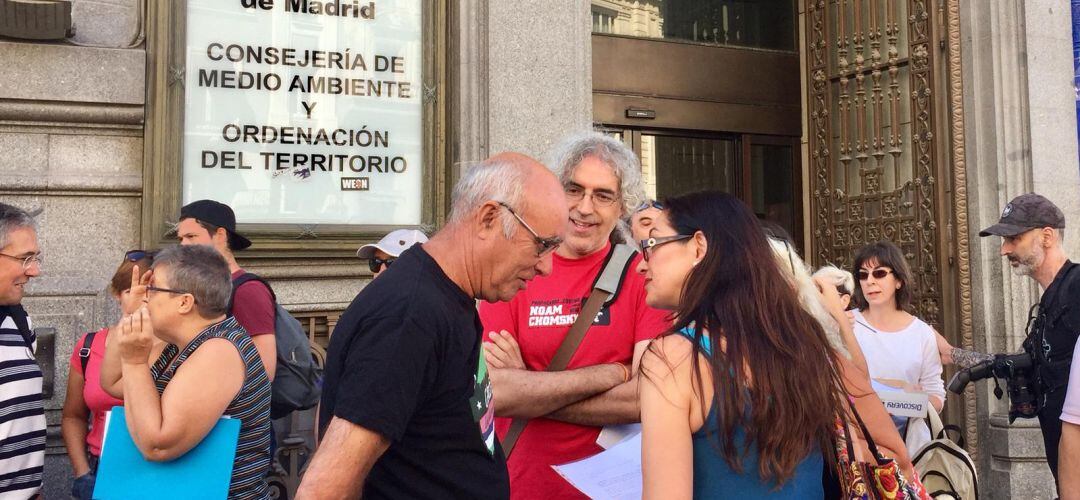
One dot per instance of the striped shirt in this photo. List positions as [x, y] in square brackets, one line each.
[22, 411]
[251, 405]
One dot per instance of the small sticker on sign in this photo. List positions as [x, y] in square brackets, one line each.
[354, 183]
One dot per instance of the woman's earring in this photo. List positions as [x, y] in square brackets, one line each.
[696, 262]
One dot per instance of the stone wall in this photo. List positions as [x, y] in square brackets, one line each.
[71, 144]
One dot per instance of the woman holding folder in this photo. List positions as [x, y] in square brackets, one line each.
[208, 367]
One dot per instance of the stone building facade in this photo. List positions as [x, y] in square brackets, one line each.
[519, 75]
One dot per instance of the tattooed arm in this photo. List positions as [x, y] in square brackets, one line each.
[957, 356]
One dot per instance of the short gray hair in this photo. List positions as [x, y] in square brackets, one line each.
[200, 271]
[572, 150]
[12, 218]
[490, 180]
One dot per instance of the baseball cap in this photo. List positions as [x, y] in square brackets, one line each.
[1026, 212]
[394, 243]
[218, 214]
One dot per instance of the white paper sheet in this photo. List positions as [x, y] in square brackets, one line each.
[612, 435]
[612, 474]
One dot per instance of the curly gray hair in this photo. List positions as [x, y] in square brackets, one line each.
[573, 149]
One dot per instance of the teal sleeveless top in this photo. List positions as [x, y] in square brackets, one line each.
[714, 478]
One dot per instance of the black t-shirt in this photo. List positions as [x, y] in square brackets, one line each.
[404, 361]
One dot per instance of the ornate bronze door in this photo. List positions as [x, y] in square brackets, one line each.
[885, 130]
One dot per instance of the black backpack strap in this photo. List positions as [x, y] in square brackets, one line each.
[19, 316]
[244, 278]
[84, 352]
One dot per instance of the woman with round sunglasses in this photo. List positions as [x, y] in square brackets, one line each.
[83, 420]
[901, 350]
[740, 399]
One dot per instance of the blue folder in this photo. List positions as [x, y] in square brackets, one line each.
[202, 472]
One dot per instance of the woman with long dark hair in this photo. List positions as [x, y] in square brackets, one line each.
[741, 400]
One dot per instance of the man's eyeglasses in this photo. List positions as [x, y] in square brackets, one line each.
[878, 274]
[575, 192]
[648, 245]
[543, 245]
[137, 255]
[375, 263]
[28, 260]
[151, 288]
[649, 204]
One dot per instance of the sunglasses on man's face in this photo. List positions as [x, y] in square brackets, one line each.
[878, 274]
[376, 264]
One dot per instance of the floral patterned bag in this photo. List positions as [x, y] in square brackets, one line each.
[870, 481]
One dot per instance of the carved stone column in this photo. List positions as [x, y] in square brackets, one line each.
[1020, 130]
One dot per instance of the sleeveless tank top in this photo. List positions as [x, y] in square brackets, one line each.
[714, 477]
[251, 405]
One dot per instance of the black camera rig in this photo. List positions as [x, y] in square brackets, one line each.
[1016, 369]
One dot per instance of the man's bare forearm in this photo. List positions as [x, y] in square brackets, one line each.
[531, 394]
[616, 406]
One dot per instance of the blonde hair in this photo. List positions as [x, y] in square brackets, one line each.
[797, 274]
[841, 279]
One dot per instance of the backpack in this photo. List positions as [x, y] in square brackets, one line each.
[945, 468]
[296, 384]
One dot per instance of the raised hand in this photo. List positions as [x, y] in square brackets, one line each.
[136, 337]
[139, 284]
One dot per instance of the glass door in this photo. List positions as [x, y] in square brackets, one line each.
[763, 171]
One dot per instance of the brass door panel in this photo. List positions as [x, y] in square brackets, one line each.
[696, 87]
[881, 148]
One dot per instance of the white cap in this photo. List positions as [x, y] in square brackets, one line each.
[394, 243]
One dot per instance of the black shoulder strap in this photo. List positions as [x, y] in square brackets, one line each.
[244, 278]
[84, 353]
[18, 315]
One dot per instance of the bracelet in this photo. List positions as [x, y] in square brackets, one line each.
[625, 371]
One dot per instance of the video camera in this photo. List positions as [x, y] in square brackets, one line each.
[1016, 369]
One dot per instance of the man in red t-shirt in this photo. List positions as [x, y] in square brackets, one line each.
[602, 181]
[207, 222]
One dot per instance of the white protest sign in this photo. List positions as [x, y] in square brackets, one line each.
[305, 112]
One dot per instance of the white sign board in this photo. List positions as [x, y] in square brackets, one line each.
[905, 404]
[305, 112]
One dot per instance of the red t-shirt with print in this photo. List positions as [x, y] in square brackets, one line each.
[539, 317]
[253, 307]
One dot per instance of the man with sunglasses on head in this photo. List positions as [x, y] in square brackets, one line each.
[406, 405]
[567, 409]
[22, 432]
[380, 255]
[1032, 232]
[642, 219]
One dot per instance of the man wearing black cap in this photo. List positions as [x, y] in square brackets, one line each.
[207, 222]
[1032, 231]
